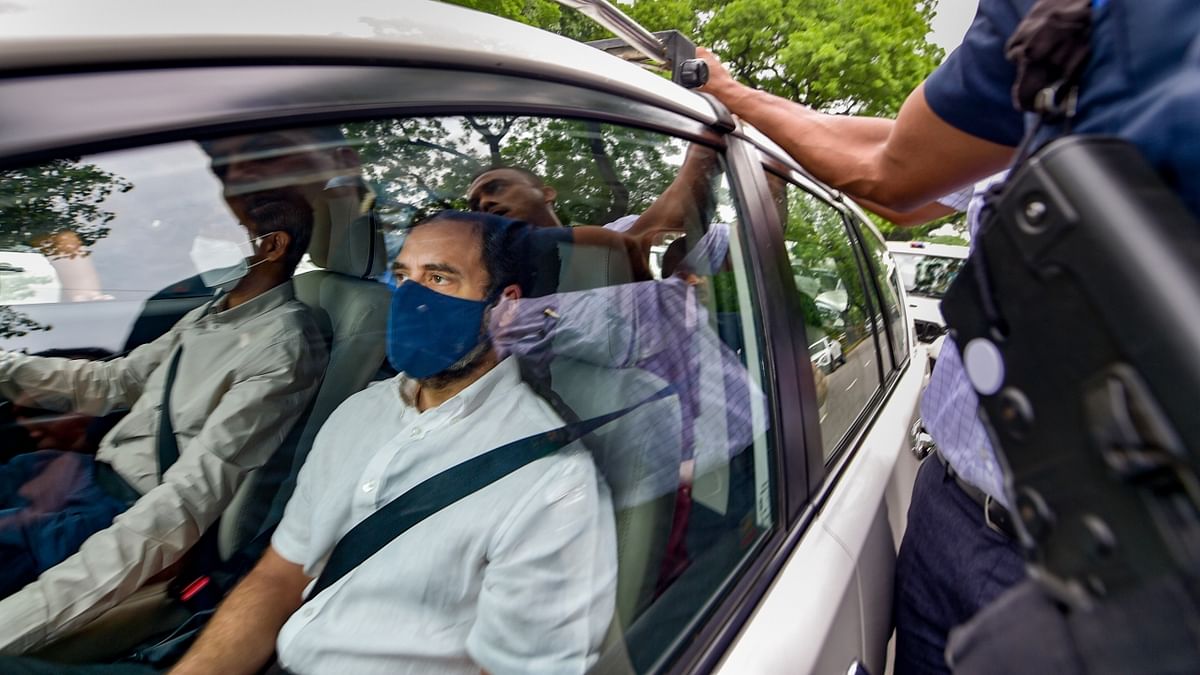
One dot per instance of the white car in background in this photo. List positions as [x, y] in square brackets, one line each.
[927, 270]
[826, 354]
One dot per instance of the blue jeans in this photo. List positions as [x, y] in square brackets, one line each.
[950, 565]
[49, 504]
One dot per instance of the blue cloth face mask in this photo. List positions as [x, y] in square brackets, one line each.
[429, 331]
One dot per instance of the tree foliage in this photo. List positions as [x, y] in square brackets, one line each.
[861, 57]
[601, 172]
[41, 205]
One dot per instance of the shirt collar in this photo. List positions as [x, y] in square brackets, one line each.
[259, 304]
[503, 377]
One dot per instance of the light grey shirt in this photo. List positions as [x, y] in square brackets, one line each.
[517, 577]
[244, 377]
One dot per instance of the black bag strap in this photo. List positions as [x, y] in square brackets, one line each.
[168, 446]
[438, 492]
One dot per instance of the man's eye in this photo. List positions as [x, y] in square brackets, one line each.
[400, 276]
[438, 279]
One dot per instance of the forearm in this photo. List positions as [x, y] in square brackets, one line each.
[241, 636]
[919, 216]
[899, 164]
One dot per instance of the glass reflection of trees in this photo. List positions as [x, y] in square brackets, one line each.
[825, 268]
[601, 172]
[55, 209]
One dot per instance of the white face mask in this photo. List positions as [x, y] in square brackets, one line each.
[222, 262]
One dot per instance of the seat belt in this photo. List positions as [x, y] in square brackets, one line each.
[189, 584]
[168, 445]
[439, 491]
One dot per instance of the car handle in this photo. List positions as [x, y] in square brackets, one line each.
[857, 668]
[922, 443]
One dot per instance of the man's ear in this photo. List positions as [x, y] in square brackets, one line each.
[274, 246]
[511, 292]
[549, 194]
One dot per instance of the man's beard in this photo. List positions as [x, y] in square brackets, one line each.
[462, 367]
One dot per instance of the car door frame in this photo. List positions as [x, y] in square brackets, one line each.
[242, 107]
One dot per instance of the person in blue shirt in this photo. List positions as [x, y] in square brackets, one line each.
[1142, 82]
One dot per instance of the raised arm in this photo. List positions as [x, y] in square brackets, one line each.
[241, 636]
[900, 164]
[685, 202]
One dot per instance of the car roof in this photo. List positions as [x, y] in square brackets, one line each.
[84, 33]
[926, 248]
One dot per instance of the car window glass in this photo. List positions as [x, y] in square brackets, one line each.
[837, 313]
[634, 292]
[887, 278]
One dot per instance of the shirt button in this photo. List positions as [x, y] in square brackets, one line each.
[418, 433]
[369, 486]
[307, 613]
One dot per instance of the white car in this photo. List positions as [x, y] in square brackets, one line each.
[826, 354]
[787, 554]
[927, 271]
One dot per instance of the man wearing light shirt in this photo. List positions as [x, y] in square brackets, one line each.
[247, 364]
[518, 577]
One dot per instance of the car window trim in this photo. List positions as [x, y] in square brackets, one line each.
[122, 123]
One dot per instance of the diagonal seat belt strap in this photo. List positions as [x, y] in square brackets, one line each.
[168, 446]
[451, 485]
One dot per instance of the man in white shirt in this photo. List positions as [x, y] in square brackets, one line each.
[517, 577]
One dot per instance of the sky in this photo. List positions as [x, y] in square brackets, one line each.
[952, 20]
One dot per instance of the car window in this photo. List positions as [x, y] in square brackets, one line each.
[634, 300]
[886, 275]
[838, 316]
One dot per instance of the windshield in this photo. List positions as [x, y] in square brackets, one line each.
[927, 275]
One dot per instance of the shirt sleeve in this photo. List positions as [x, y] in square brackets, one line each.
[971, 90]
[549, 584]
[78, 385]
[622, 224]
[248, 424]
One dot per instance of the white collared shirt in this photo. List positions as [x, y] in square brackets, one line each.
[517, 577]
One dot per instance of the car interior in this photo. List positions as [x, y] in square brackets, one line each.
[679, 539]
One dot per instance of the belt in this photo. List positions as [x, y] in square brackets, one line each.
[994, 514]
[111, 482]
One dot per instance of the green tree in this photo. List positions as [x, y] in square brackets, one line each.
[861, 57]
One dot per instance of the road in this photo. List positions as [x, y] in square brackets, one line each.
[850, 387]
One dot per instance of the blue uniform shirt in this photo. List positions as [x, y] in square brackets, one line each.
[1142, 83]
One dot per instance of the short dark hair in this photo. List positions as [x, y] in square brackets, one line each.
[503, 243]
[537, 180]
[282, 211]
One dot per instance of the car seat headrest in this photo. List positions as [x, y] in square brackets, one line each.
[346, 236]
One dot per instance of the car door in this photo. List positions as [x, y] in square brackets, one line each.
[830, 603]
[683, 575]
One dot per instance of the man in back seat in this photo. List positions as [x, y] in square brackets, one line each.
[518, 576]
[226, 383]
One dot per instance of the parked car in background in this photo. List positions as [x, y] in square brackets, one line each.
[826, 354]
[927, 271]
[788, 551]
